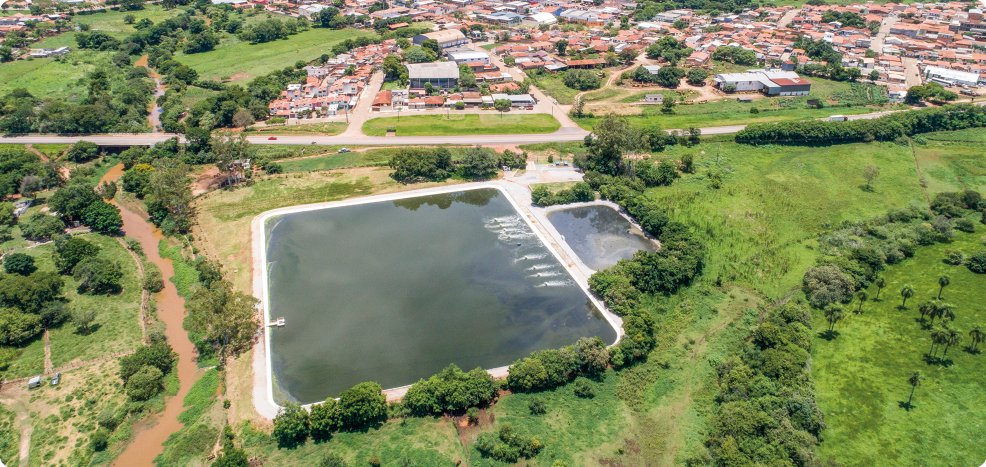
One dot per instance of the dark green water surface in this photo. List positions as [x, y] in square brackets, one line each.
[599, 235]
[394, 291]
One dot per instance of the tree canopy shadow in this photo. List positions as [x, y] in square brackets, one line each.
[829, 334]
[905, 405]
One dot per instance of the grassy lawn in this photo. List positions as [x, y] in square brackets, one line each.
[971, 135]
[554, 86]
[950, 166]
[862, 374]
[319, 129]
[50, 77]
[776, 198]
[242, 60]
[391, 86]
[336, 160]
[193, 95]
[53, 151]
[463, 124]
[112, 21]
[555, 187]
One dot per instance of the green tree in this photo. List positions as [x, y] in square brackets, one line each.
[977, 335]
[952, 337]
[71, 200]
[870, 173]
[914, 380]
[467, 78]
[527, 374]
[561, 45]
[362, 404]
[324, 420]
[19, 263]
[502, 105]
[862, 296]
[907, 292]
[158, 354]
[592, 355]
[880, 283]
[97, 275]
[432, 45]
[291, 426]
[926, 308]
[223, 316]
[16, 327]
[943, 282]
[697, 76]
[479, 162]
[144, 384]
[82, 151]
[103, 217]
[83, 320]
[833, 314]
[938, 337]
[69, 251]
[30, 293]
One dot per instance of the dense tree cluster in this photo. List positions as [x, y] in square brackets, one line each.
[583, 80]
[542, 196]
[555, 367]
[78, 200]
[508, 446]
[116, 100]
[417, 164]
[886, 128]
[273, 29]
[159, 176]
[450, 391]
[932, 92]
[143, 371]
[765, 411]
[737, 55]
[670, 49]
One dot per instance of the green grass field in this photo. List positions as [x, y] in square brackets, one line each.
[112, 21]
[862, 374]
[464, 124]
[319, 129]
[336, 160]
[953, 166]
[242, 60]
[50, 77]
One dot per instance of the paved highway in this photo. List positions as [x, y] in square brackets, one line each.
[564, 134]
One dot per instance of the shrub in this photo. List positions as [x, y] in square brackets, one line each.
[42, 227]
[100, 439]
[977, 262]
[473, 414]
[19, 263]
[954, 257]
[965, 225]
[324, 419]
[583, 388]
[97, 275]
[537, 406]
[828, 284]
[362, 404]
[583, 80]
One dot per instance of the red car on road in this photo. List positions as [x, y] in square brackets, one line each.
[272, 138]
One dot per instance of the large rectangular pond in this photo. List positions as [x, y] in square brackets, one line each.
[600, 235]
[394, 291]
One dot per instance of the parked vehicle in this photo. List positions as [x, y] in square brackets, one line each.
[272, 138]
[34, 382]
[344, 150]
[838, 118]
[57, 379]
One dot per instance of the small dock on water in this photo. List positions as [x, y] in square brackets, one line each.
[279, 322]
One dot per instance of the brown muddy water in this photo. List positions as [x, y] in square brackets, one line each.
[150, 434]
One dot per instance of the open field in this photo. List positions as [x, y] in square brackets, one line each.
[112, 21]
[838, 97]
[242, 60]
[862, 374]
[463, 124]
[318, 129]
[951, 166]
[553, 85]
[50, 77]
[376, 156]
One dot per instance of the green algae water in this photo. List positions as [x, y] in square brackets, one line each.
[599, 235]
[395, 291]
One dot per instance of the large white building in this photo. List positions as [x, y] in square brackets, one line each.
[468, 56]
[949, 76]
[537, 19]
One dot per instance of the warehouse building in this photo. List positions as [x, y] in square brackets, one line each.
[769, 82]
[446, 38]
[443, 75]
[950, 77]
[538, 19]
[468, 56]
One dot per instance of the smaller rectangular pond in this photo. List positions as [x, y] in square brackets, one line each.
[599, 234]
[394, 291]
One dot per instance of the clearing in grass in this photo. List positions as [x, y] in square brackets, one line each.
[467, 124]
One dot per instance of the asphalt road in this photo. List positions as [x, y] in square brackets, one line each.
[564, 134]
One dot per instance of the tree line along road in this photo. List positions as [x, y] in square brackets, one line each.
[564, 134]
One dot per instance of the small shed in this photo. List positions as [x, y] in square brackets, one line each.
[654, 98]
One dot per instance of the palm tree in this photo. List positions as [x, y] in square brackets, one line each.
[946, 311]
[952, 337]
[907, 292]
[833, 314]
[943, 281]
[978, 335]
[914, 380]
[927, 308]
[880, 284]
[937, 338]
[863, 296]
